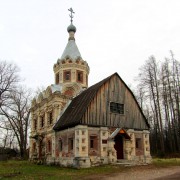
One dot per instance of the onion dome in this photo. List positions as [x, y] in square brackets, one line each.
[71, 27]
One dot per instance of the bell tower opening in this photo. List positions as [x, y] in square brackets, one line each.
[80, 76]
[67, 75]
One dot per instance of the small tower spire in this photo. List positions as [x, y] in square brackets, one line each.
[71, 28]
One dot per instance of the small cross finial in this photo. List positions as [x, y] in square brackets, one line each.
[71, 15]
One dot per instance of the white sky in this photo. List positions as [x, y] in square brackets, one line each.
[112, 35]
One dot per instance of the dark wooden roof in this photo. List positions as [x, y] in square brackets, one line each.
[75, 111]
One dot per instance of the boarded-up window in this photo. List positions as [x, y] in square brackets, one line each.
[116, 108]
[70, 144]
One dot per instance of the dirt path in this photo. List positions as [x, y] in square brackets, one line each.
[143, 173]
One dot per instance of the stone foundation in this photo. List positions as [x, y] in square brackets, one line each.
[76, 150]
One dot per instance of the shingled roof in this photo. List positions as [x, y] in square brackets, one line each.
[75, 111]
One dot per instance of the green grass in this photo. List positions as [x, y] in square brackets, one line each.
[166, 162]
[26, 170]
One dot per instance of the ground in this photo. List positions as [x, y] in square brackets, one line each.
[142, 173]
[26, 170]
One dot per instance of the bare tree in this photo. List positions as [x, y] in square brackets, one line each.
[8, 80]
[149, 85]
[7, 134]
[14, 107]
[159, 96]
[17, 113]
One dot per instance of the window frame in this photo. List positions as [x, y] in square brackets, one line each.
[50, 117]
[42, 121]
[117, 108]
[93, 141]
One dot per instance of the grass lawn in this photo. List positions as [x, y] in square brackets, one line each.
[166, 162]
[26, 170]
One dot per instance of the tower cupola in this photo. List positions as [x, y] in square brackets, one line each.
[71, 69]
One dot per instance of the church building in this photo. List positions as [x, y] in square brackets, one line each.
[74, 125]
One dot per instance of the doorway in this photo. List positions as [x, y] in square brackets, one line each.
[119, 146]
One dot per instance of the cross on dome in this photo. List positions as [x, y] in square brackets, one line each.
[71, 27]
[71, 15]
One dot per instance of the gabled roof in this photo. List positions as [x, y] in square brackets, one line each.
[71, 51]
[118, 131]
[75, 111]
[73, 114]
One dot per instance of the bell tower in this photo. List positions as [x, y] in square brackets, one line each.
[71, 71]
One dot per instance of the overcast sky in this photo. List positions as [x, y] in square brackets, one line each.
[112, 35]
